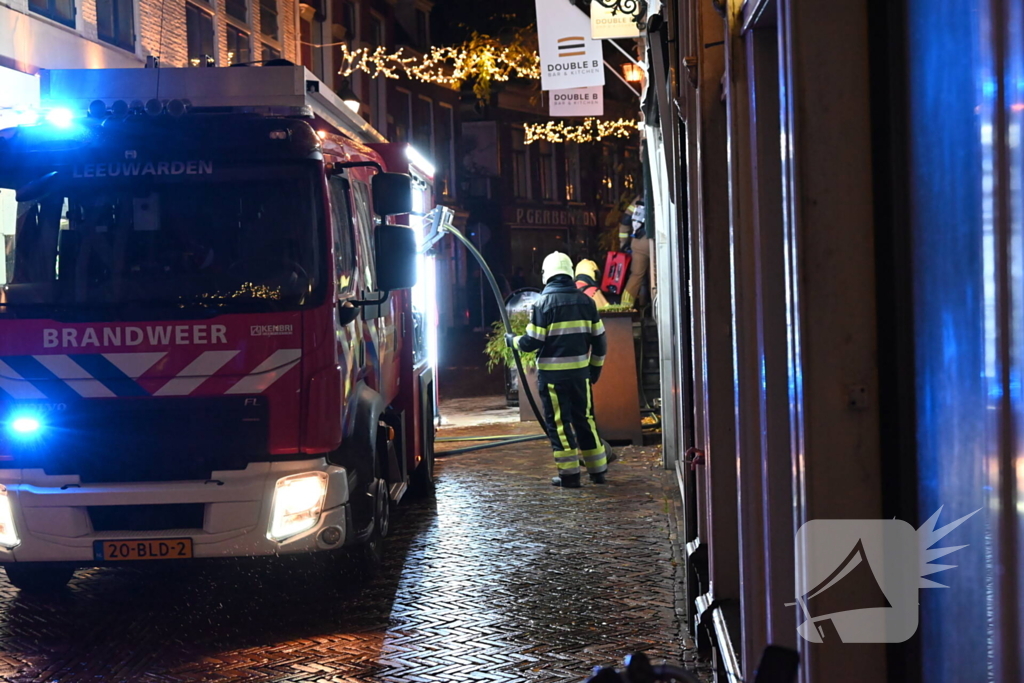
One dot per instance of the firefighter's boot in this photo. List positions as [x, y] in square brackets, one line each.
[569, 481]
[598, 478]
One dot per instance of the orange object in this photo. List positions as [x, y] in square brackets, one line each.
[616, 268]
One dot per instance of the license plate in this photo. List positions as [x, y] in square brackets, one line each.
[158, 549]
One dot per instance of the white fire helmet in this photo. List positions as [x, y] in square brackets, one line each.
[556, 263]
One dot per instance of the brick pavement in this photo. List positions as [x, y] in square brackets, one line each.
[503, 578]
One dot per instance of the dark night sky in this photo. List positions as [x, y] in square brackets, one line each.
[456, 19]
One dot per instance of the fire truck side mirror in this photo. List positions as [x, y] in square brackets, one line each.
[392, 194]
[396, 257]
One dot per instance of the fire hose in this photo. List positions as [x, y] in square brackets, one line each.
[441, 224]
[441, 219]
[446, 226]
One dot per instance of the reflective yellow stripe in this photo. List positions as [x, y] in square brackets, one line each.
[572, 365]
[590, 416]
[597, 329]
[593, 451]
[537, 332]
[597, 361]
[567, 460]
[559, 424]
[571, 323]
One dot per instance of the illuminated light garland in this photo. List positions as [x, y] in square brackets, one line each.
[591, 129]
[483, 59]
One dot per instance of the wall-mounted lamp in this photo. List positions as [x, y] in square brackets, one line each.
[632, 72]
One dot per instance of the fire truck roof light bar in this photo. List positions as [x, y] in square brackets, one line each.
[272, 90]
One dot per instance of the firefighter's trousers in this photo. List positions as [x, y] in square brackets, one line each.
[639, 267]
[569, 412]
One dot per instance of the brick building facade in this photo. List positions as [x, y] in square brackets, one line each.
[40, 34]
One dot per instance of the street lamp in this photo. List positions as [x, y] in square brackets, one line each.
[632, 72]
[349, 97]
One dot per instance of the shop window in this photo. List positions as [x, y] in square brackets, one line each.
[572, 172]
[611, 181]
[343, 16]
[237, 9]
[238, 46]
[377, 38]
[402, 116]
[268, 53]
[115, 23]
[445, 151]
[62, 11]
[422, 29]
[344, 33]
[199, 30]
[423, 126]
[268, 20]
[521, 188]
[548, 171]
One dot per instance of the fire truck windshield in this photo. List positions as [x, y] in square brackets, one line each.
[230, 240]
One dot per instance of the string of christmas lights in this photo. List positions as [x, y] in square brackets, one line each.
[591, 129]
[483, 59]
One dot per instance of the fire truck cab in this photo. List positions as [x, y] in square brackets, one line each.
[208, 343]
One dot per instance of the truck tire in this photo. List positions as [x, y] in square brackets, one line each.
[421, 483]
[369, 556]
[39, 578]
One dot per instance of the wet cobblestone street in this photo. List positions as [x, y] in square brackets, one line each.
[502, 578]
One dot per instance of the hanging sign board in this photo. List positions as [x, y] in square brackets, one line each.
[606, 23]
[577, 102]
[569, 57]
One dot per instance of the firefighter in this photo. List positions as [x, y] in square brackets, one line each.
[634, 237]
[586, 282]
[568, 334]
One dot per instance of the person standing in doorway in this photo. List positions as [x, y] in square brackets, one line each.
[633, 236]
[567, 331]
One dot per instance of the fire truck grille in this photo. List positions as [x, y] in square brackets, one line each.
[146, 439]
[146, 517]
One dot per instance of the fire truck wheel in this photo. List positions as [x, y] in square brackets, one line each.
[382, 509]
[423, 476]
[368, 557]
[39, 578]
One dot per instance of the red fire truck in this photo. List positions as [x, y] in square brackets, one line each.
[208, 344]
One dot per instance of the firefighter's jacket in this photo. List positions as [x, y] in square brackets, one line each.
[588, 285]
[566, 331]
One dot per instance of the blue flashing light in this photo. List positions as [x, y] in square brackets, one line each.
[25, 425]
[60, 117]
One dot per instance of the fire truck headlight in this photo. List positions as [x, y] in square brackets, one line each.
[8, 533]
[298, 502]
